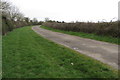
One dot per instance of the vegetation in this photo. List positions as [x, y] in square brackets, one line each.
[28, 55]
[87, 35]
[100, 28]
[13, 18]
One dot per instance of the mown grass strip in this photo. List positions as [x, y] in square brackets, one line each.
[28, 55]
[86, 35]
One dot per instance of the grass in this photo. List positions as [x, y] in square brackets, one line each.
[87, 35]
[28, 55]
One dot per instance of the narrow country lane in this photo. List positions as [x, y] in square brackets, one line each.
[102, 51]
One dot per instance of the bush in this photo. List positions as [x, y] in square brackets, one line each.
[103, 28]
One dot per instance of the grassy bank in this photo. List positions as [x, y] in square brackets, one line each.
[87, 35]
[28, 55]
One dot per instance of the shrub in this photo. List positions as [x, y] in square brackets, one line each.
[103, 28]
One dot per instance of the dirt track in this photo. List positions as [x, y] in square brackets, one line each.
[102, 51]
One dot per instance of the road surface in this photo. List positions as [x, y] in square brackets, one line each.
[102, 51]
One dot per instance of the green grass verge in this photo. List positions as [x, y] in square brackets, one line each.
[28, 55]
[86, 35]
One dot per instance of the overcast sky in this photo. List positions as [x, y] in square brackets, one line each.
[69, 10]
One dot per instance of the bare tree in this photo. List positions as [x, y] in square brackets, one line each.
[12, 17]
[47, 19]
[35, 21]
[5, 7]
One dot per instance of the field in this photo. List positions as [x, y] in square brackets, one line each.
[87, 35]
[28, 55]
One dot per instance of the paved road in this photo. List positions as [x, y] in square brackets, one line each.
[102, 51]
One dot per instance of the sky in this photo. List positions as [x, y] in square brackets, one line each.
[69, 10]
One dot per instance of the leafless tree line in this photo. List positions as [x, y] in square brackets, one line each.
[13, 18]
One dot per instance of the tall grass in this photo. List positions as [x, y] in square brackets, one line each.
[100, 28]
